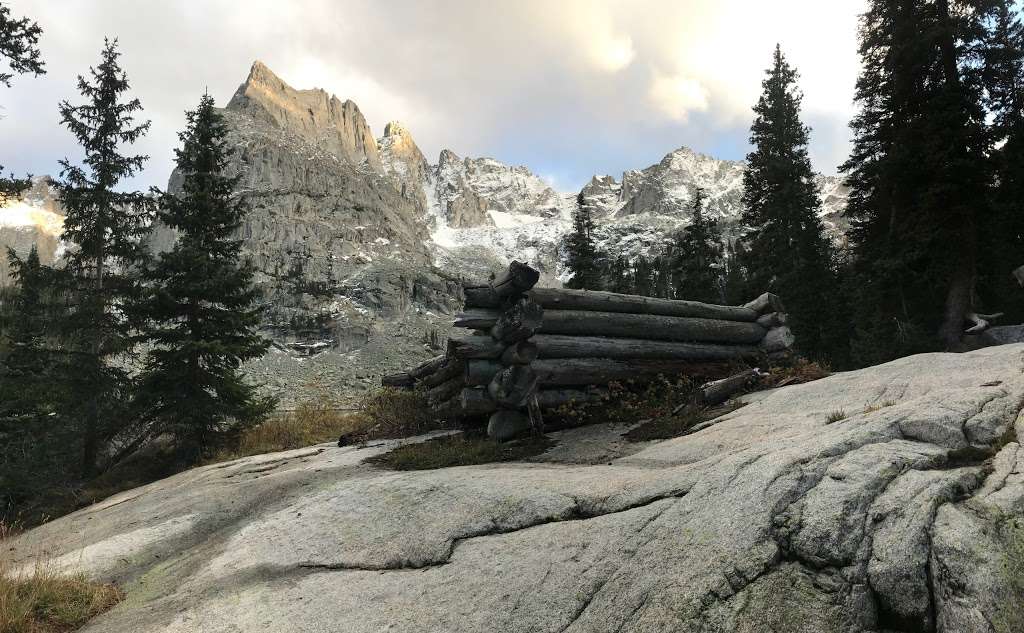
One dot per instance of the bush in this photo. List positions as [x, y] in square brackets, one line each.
[459, 450]
[310, 423]
[44, 601]
[395, 412]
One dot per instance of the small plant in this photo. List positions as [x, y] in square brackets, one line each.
[877, 407]
[835, 416]
[458, 450]
[41, 600]
[795, 372]
[395, 412]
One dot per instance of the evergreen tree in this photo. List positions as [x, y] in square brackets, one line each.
[734, 279]
[697, 256]
[1002, 231]
[619, 277]
[788, 252]
[106, 226]
[917, 173]
[200, 309]
[33, 435]
[19, 50]
[582, 256]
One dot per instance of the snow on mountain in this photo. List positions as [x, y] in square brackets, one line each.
[35, 218]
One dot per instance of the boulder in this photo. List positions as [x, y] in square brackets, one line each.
[905, 515]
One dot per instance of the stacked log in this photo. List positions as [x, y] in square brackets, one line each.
[541, 348]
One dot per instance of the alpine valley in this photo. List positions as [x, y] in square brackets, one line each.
[361, 243]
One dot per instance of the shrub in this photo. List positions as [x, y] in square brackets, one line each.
[459, 450]
[310, 423]
[835, 416]
[395, 412]
[43, 601]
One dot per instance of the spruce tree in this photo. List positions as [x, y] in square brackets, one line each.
[697, 256]
[582, 258]
[19, 50]
[200, 308]
[1001, 232]
[106, 226]
[787, 250]
[918, 175]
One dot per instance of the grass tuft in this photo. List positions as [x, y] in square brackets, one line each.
[459, 450]
[835, 416]
[42, 600]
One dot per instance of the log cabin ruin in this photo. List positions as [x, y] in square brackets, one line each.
[527, 349]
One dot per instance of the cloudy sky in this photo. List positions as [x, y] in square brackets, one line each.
[569, 88]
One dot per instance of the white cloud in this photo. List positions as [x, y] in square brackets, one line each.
[677, 96]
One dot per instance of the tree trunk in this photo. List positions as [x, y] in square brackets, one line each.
[518, 323]
[465, 347]
[521, 353]
[477, 319]
[517, 279]
[598, 301]
[718, 391]
[649, 326]
[560, 346]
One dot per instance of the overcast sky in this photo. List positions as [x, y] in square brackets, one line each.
[569, 88]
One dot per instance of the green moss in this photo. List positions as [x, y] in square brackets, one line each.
[459, 450]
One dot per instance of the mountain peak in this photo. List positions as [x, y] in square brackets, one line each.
[324, 120]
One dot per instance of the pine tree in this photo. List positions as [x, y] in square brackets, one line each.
[19, 49]
[106, 226]
[200, 308]
[787, 250]
[697, 256]
[33, 435]
[1002, 231]
[734, 279]
[918, 175]
[582, 258]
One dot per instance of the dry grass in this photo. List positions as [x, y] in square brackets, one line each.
[835, 416]
[795, 372]
[309, 424]
[398, 413]
[44, 601]
[458, 450]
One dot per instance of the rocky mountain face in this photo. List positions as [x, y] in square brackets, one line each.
[34, 219]
[359, 242]
[905, 515]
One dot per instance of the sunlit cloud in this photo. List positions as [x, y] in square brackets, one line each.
[678, 96]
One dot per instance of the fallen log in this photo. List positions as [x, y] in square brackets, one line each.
[521, 353]
[465, 347]
[767, 302]
[506, 424]
[561, 346]
[599, 301]
[427, 367]
[476, 401]
[445, 391]
[518, 323]
[718, 391]
[777, 339]
[480, 372]
[650, 326]
[512, 386]
[554, 398]
[577, 372]
[517, 279]
[772, 319]
[451, 369]
[477, 319]
[401, 380]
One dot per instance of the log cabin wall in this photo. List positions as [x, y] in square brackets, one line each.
[528, 349]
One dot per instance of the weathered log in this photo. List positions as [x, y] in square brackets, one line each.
[451, 369]
[767, 302]
[506, 424]
[476, 402]
[468, 346]
[777, 339]
[400, 380]
[718, 391]
[601, 371]
[521, 353]
[519, 322]
[512, 386]
[445, 391]
[427, 367]
[480, 372]
[981, 321]
[650, 326]
[560, 346]
[477, 319]
[599, 301]
[517, 279]
[1018, 274]
[772, 319]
